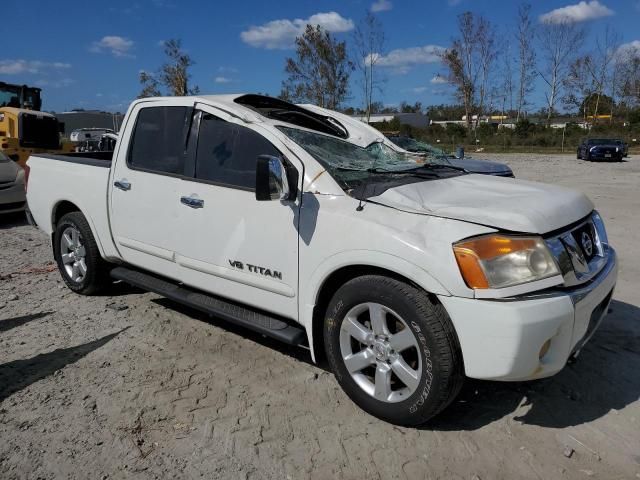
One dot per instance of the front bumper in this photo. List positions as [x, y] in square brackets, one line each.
[503, 339]
[13, 198]
[609, 156]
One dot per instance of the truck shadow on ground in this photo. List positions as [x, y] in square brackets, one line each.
[10, 323]
[603, 378]
[299, 353]
[19, 374]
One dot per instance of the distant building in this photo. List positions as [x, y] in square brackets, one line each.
[419, 120]
[89, 119]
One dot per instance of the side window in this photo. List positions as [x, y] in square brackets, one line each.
[157, 143]
[227, 152]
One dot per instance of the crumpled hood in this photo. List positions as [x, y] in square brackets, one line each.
[503, 203]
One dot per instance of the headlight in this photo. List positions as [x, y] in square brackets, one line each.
[600, 230]
[497, 261]
[20, 176]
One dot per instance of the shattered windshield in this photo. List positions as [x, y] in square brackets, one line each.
[354, 166]
[430, 153]
[348, 162]
[414, 145]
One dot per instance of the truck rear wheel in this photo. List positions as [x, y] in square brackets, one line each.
[392, 349]
[77, 255]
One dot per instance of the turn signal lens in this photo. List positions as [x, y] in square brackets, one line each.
[497, 261]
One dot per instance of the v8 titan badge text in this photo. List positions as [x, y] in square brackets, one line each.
[256, 269]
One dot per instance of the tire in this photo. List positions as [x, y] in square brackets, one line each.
[433, 356]
[78, 257]
[578, 156]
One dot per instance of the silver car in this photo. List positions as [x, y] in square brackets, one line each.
[12, 193]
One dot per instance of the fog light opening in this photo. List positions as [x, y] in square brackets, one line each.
[545, 348]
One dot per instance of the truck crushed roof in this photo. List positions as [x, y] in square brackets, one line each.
[277, 109]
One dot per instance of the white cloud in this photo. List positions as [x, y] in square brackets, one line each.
[580, 12]
[419, 89]
[117, 46]
[629, 49]
[402, 59]
[280, 34]
[221, 79]
[438, 79]
[15, 67]
[381, 6]
[61, 83]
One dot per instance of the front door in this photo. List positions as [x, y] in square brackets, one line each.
[233, 245]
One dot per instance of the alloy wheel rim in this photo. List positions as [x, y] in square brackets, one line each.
[380, 352]
[73, 254]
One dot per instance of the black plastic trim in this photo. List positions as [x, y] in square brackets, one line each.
[264, 323]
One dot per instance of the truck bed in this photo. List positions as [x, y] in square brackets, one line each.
[73, 181]
[96, 159]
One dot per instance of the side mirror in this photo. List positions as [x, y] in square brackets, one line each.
[271, 179]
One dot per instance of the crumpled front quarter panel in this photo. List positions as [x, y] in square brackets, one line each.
[333, 234]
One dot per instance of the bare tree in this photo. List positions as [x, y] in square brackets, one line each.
[602, 69]
[469, 62]
[503, 92]
[628, 76]
[368, 39]
[591, 76]
[526, 58]
[559, 43]
[150, 85]
[320, 71]
[578, 84]
[173, 74]
[487, 54]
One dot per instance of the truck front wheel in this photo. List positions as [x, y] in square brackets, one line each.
[77, 255]
[392, 349]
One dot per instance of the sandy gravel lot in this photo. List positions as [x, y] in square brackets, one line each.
[132, 385]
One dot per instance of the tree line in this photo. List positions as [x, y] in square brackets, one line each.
[490, 70]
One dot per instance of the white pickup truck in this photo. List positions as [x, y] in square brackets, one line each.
[408, 277]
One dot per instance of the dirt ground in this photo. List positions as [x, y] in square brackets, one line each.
[132, 385]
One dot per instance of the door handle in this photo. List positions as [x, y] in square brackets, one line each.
[122, 185]
[192, 202]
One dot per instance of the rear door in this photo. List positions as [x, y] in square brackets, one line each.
[232, 244]
[145, 186]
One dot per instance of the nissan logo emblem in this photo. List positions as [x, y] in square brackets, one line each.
[587, 244]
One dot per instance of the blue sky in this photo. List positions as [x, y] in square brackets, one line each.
[88, 54]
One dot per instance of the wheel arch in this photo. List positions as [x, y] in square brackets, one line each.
[60, 209]
[334, 278]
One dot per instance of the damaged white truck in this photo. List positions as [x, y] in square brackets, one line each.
[407, 276]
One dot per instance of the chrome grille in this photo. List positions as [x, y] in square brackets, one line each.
[581, 251]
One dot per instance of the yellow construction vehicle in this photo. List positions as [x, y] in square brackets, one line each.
[24, 129]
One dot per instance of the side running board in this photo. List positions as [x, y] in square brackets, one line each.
[255, 320]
